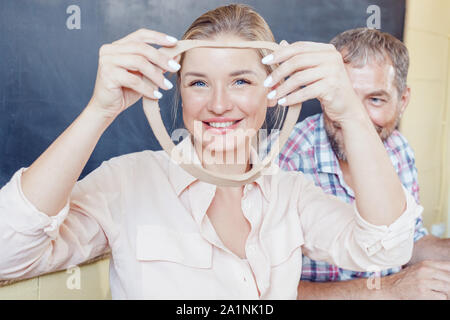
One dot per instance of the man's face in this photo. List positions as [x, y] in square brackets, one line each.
[374, 84]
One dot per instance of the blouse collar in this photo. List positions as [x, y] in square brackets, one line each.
[181, 179]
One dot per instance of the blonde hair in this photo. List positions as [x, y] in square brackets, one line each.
[235, 19]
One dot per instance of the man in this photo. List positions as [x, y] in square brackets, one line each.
[377, 64]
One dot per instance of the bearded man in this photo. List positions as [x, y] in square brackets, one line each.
[377, 65]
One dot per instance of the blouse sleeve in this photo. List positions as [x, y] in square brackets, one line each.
[33, 243]
[335, 232]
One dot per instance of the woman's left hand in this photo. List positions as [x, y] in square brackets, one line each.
[315, 70]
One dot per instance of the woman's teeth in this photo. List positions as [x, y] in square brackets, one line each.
[221, 124]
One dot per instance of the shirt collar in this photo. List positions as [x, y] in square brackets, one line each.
[181, 179]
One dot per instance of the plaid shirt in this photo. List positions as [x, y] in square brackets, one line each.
[308, 150]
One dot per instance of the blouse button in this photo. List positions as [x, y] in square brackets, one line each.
[246, 205]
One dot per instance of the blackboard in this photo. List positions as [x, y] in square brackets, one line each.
[47, 70]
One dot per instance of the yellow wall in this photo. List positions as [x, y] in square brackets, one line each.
[94, 284]
[425, 123]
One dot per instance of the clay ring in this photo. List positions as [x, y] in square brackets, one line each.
[152, 112]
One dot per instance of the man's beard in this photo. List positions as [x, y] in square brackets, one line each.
[385, 132]
[337, 144]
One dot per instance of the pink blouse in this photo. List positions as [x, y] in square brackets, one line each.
[152, 215]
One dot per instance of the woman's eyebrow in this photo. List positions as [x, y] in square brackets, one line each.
[232, 74]
[241, 72]
[195, 74]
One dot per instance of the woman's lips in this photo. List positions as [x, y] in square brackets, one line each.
[221, 126]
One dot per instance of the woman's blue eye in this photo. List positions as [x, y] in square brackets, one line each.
[241, 82]
[198, 84]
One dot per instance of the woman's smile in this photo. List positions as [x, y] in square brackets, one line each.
[221, 125]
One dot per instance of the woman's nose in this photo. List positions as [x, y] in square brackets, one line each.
[220, 101]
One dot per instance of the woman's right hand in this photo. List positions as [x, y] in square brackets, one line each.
[130, 68]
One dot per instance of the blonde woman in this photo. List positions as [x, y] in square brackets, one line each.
[173, 236]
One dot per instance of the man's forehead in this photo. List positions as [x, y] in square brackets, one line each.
[373, 76]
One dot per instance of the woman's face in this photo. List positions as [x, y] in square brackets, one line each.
[224, 100]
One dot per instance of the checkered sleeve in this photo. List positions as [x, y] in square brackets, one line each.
[402, 156]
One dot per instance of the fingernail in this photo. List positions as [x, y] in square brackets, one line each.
[272, 94]
[267, 59]
[157, 94]
[168, 84]
[268, 81]
[282, 101]
[174, 65]
[171, 39]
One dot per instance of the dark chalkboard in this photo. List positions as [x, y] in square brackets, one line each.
[47, 71]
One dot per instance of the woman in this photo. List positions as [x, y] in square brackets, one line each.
[173, 236]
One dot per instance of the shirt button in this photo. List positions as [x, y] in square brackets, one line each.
[250, 187]
[246, 205]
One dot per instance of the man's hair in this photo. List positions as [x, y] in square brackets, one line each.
[360, 45]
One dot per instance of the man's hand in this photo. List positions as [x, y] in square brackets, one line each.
[424, 280]
[430, 248]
